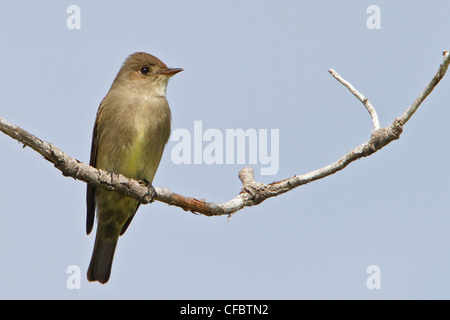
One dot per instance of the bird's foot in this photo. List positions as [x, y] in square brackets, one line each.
[151, 191]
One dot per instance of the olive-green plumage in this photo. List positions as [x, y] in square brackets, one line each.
[130, 132]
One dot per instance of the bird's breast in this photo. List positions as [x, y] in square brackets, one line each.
[138, 136]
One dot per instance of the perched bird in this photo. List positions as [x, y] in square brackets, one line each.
[130, 132]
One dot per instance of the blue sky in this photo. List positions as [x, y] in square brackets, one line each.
[250, 65]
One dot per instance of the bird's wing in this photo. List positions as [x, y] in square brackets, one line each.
[90, 193]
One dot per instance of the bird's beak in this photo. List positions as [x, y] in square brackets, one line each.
[171, 71]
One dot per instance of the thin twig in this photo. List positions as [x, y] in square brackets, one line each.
[360, 97]
[437, 77]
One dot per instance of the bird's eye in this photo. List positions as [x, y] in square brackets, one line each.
[144, 70]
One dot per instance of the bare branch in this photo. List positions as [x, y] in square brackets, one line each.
[362, 98]
[252, 192]
[437, 77]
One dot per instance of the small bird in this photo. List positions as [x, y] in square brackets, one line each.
[131, 129]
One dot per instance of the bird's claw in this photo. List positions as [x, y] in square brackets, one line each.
[151, 191]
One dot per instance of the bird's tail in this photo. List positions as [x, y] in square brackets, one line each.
[102, 258]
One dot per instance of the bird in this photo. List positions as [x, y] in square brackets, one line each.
[131, 129]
